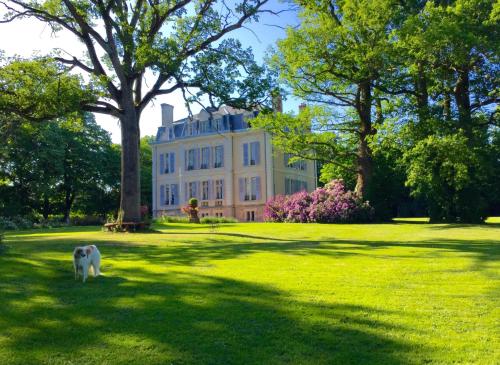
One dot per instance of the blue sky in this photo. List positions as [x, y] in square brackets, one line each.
[29, 36]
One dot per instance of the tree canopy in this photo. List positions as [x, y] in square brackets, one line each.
[181, 44]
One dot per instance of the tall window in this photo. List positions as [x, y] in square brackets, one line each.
[251, 153]
[219, 189]
[192, 190]
[167, 163]
[205, 158]
[191, 157]
[218, 156]
[169, 194]
[204, 190]
[250, 188]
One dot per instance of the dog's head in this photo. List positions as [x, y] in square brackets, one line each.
[79, 253]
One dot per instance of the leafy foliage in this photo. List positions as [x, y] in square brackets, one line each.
[330, 204]
[446, 172]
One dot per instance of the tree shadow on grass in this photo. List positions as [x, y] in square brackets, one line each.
[136, 316]
[222, 246]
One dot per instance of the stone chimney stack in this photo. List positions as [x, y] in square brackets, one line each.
[167, 115]
[278, 104]
[302, 107]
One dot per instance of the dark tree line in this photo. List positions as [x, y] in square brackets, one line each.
[403, 98]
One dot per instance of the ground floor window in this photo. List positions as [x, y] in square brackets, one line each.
[250, 216]
[219, 214]
[293, 186]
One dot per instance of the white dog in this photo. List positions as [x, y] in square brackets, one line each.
[83, 258]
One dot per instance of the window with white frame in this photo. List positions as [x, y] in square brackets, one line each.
[250, 188]
[219, 125]
[219, 189]
[169, 194]
[218, 156]
[204, 126]
[205, 158]
[297, 165]
[169, 162]
[191, 159]
[251, 153]
[293, 186]
[192, 190]
[204, 190]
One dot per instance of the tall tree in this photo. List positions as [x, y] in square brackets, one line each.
[336, 58]
[172, 40]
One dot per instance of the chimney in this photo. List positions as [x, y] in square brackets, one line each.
[167, 114]
[278, 103]
[302, 106]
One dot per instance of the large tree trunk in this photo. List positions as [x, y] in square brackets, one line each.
[364, 159]
[462, 98]
[130, 199]
[68, 203]
[45, 207]
[422, 94]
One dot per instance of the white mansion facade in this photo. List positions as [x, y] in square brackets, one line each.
[230, 168]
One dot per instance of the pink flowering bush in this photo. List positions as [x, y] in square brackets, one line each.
[274, 210]
[329, 204]
[296, 207]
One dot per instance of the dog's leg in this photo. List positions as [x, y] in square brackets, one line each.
[96, 264]
[85, 270]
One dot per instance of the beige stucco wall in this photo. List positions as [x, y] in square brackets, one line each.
[281, 172]
[271, 170]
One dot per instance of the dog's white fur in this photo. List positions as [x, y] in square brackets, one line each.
[85, 257]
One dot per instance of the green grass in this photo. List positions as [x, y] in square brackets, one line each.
[406, 292]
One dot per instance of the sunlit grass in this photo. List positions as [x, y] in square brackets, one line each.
[405, 292]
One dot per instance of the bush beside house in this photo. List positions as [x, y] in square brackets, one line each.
[329, 204]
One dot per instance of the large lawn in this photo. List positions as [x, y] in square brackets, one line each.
[255, 294]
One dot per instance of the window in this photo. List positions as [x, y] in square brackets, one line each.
[251, 216]
[298, 165]
[167, 163]
[192, 155]
[250, 188]
[219, 189]
[169, 194]
[204, 126]
[192, 190]
[251, 153]
[204, 190]
[293, 186]
[219, 214]
[219, 125]
[218, 156]
[205, 158]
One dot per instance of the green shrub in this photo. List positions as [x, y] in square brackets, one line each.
[22, 222]
[213, 220]
[6, 224]
[193, 202]
[171, 219]
[86, 220]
